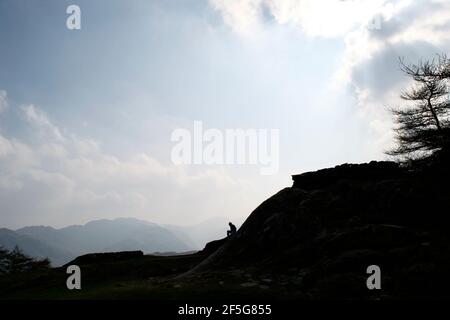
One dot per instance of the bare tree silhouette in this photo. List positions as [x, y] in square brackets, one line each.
[16, 261]
[423, 123]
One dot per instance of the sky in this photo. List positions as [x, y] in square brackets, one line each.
[86, 116]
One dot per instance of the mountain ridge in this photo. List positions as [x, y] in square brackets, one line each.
[105, 235]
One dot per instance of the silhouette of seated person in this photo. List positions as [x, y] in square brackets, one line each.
[232, 229]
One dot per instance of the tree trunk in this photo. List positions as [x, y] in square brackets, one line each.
[433, 112]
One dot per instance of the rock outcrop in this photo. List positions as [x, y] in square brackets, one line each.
[319, 236]
[91, 258]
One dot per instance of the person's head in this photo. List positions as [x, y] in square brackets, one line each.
[230, 224]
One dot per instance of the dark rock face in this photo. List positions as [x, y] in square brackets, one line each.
[212, 246]
[105, 257]
[321, 234]
[374, 170]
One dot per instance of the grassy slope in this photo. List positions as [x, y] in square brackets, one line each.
[147, 277]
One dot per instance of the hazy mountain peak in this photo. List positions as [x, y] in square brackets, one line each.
[106, 235]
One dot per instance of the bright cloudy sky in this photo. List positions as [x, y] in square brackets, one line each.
[86, 116]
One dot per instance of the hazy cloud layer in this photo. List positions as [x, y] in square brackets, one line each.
[55, 177]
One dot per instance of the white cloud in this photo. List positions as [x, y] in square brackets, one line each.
[40, 121]
[243, 16]
[325, 18]
[413, 30]
[404, 24]
[369, 66]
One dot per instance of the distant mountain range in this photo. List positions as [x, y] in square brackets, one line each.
[122, 234]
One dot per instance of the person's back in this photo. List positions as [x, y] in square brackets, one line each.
[232, 229]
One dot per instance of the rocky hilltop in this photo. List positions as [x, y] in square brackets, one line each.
[314, 240]
[317, 238]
